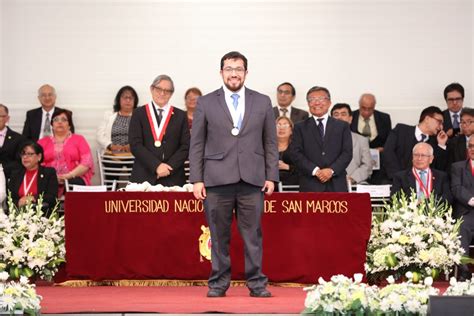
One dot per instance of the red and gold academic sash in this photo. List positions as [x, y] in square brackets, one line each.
[158, 131]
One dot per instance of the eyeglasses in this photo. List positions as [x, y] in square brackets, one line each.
[424, 156]
[453, 100]
[470, 146]
[440, 121]
[284, 92]
[466, 122]
[238, 70]
[25, 154]
[317, 100]
[127, 97]
[163, 91]
[46, 95]
[60, 119]
[283, 126]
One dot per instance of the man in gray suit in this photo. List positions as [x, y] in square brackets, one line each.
[286, 94]
[360, 168]
[462, 187]
[233, 161]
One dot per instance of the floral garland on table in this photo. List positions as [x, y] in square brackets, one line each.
[418, 237]
[18, 296]
[147, 187]
[343, 296]
[460, 288]
[30, 244]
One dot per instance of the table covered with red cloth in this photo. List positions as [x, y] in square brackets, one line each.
[146, 235]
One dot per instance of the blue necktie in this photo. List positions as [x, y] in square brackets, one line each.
[423, 137]
[321, 127]
[235, 103]
[455, 120]
[423, 180]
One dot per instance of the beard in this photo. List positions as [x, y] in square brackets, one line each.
[234, 87]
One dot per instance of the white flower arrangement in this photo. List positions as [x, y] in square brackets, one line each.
[18, 296]
[31, 244]
[147, 187]
[339, 296]
[342, 296]
[421, 237]
[460, 288]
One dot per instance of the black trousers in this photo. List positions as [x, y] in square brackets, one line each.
[247, 201]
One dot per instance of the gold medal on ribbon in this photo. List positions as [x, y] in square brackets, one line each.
[157, 143]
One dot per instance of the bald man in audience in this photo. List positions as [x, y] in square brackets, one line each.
[38, 121]
[420, 178]
[457, 146]
[374, 125]
[286, 94]
[399, 145]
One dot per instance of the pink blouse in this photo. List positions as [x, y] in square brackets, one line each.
[64, 157]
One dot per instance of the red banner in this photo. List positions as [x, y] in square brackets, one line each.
[141, 235]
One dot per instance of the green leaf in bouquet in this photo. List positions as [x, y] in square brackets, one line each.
[14, 272]
[27, 272]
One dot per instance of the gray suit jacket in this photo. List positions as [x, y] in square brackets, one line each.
[217, 157]
[360, 167]
[462, 187]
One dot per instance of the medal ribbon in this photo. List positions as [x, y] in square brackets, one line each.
[26, 188]
[429, 182]
[157, 131]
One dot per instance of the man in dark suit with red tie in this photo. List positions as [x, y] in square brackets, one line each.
[10, 142]
[321, 147]
[421, 179]
[286, 94]
[159, 138]
[401, 140]
[462, 186]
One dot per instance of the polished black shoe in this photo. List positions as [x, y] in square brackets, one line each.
[215, 293]
[260, 293]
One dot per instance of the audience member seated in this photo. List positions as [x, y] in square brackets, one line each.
[360, 168]
[462, 187]
[10, 142]
[321, 147]
[457, 146]
[38, 121]
[190, 101]
[374, 125]
[286, 94]
[68, 153]
[159, 138]
[421, 178]
[288, 172]
[112, 134]
[454, 97]
[402, 139]
[33, 180]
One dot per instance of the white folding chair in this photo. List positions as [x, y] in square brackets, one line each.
[115, 166]
[379, 195]
[288, 187]
[90, 188]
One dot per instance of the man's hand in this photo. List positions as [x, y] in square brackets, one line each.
[283, 166]
[324, 175]
[442, 138]
[199, 190]
[163, 170]
[268, 187]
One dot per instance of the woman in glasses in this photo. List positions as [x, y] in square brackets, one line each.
[288, 172]
[68, 153]
[32, 180]
[112, 134]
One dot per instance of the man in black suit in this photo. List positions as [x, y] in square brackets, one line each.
[454, 97]
[401, 140]
[321, 146]
[286, 94]
[421, 178]
[38, 121]
[10, 142]
[457, 146]
[159, 138]
[462, 186]
[374, 125]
